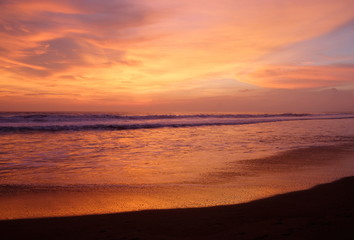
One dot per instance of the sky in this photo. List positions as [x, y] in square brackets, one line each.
[177, 56]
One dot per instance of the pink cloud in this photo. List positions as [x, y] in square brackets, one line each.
[162, 50]
[42, 37]
[301, 76]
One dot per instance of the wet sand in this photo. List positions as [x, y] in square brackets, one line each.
[234, 183]
[323, 212]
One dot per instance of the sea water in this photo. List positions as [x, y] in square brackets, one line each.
[120, 162]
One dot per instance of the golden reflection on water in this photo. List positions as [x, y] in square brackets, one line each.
[115, 171]
[135, 157]
[64, 203]
[217, 190]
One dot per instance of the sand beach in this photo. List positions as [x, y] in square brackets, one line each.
[322, 212]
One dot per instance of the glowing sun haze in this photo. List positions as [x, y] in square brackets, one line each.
[161, 55]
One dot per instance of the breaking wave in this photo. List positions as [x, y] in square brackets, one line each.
[24, 122]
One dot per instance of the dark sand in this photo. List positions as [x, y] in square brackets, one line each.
[322, 212]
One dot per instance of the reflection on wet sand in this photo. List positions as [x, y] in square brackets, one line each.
[236, 182]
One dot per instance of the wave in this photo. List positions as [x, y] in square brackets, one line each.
[112, 126]
[69, 117]
[85, 122]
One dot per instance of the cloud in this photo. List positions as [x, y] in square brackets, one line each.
[50, 36]
[142, 50]
[302, 76]
[323, 61]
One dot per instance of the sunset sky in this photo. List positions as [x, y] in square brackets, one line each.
[172, 56]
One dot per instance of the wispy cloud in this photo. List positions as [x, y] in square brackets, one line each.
[51, 36]
[302, 76]
[138, 51]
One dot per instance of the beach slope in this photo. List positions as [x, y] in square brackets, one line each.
[323, 212]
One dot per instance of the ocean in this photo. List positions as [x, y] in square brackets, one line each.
[59, 164]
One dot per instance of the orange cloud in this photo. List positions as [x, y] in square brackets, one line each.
[56, 35]
[140, 50]
[302, 76]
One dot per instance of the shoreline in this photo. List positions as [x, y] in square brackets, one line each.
[325, 211]
[236, 182]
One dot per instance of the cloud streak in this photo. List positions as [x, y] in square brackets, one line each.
[139, 51]
[302, 76]
[51, 36]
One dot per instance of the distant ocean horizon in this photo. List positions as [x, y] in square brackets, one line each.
[129, 162]
[63, 121]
